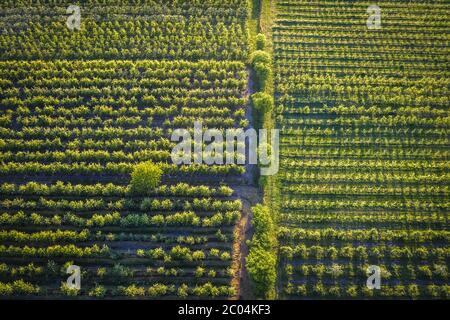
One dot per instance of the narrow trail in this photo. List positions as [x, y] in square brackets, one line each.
[250, 194]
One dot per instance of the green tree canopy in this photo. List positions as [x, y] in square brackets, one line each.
[260, 41]
[146, 176]
[261, 267]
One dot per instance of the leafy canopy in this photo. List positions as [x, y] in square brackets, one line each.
[146, 176]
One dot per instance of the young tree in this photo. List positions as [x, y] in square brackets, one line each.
[262, 270]
[263, 105]
[260, 41]
[145, 177]
[261, 64]
[261, 260]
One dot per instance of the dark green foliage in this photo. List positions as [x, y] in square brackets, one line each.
[261, 261]
[260, 41]
[261, 64]
[263, 105]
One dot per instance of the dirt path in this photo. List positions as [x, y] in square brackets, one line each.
[250, 196]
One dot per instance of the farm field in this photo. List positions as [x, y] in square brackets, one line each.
[80, 109]
[357, 182]
[364, 119]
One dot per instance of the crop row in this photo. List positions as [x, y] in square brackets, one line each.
[172, 31]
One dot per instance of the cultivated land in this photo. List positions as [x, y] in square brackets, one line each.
[364, 171]
[364, 149]
[80, 109]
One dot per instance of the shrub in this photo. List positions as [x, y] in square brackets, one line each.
[263, 105]
[206, 290]
[198, 255]
[97, 291]
[352, 291]
[145, 177]
[319, 289]
[199, 272]
[262, 270]
[261, 64]
[66, 290]
[133, 291]
[301, 290]
[157, 290]
[259, 56]
[264, 227]
[225, 256]
[212, 273]
[101, 272]
[5, 289]
[263, 72]
[182, 291]
[260, 41]
[334, 291]
[261, 261]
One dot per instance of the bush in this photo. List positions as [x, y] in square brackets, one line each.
[182, 291]
[264, 227]
[263, 105]
[145, 177]
[260, 56]
[262, 74]
[98, 291]
[261, 261]
[199, 272]
[6, 289]
[301, 290]
[68, 291]
[157, 290]
[261, 64]
[260, 41]
[261, 266]
[133, 291]
[352, 291]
